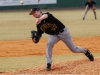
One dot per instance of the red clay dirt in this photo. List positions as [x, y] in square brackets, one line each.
[28, 48]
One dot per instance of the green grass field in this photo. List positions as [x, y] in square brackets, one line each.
[16, 63]
[17, 24]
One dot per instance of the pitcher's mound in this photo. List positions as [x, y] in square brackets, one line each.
[76, 67]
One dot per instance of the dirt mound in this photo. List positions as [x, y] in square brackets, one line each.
[78, 67]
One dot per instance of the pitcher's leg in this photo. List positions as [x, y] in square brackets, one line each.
[67, 39]
[51, 42]
[69, 42]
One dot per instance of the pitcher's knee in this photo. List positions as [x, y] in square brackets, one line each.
[73, 49]
[50, 44]
[77, 49]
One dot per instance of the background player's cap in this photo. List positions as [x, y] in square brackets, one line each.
[33, 10]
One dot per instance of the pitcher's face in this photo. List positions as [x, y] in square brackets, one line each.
[37, 14]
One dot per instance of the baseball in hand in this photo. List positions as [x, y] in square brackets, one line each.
[21, 2]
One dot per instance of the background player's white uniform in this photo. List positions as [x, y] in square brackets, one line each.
[89, 5]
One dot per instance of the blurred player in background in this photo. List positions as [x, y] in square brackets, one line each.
[90, 4]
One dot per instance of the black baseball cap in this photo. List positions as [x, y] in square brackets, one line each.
[33, 10]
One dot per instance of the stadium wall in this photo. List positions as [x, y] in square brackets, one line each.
[60, 4]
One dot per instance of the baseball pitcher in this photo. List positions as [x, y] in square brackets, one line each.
[47, 23]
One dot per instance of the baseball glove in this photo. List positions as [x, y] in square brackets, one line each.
[35, 35]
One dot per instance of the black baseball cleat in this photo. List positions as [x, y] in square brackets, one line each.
[48, 68]
[95, 18]
[89, 55]
[83, 18]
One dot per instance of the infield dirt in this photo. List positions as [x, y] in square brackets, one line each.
[28, 48]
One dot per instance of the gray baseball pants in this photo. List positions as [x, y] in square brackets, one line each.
[67, 39]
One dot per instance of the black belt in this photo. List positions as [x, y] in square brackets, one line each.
[59, 32]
